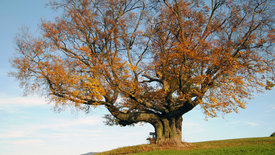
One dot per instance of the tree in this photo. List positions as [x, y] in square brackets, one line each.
[151, 60]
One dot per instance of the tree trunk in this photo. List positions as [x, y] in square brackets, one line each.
[168, 131]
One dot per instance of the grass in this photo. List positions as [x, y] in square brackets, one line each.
[262, 146]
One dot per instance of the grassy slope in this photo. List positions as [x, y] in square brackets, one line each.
[235, 146]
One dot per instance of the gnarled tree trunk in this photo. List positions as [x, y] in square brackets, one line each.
[168, 128]
[168, 131]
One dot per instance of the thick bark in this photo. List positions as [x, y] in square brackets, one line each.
[168, 131]
[168, 127]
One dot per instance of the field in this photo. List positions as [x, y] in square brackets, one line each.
[261, 146]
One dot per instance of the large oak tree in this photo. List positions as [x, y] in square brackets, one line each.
[151, 60]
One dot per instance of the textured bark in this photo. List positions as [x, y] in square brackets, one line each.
[168, 127]
[168, 131]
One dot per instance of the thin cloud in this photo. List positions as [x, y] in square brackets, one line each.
[13, 105]
[54, 125]
[22, 101]
[253, 124]
[28, 142]
[14, 134]
[66, 123]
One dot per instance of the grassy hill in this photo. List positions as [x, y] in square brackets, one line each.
[265, 146]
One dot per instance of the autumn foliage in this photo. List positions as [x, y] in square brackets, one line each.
[151, 60]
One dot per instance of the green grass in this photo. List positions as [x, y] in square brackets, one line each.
[261, 146]
[264, 150]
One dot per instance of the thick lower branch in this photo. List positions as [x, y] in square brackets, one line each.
[132, 117]
[183, 108]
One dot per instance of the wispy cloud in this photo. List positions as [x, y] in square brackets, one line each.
[52, 132]
[13, 134]
[54, 127]
[28, 142]
[253, 124]
[23, 101]
[31, 129]
[14, 105]
[67, 123]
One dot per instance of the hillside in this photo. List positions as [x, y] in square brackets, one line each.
[265, 145]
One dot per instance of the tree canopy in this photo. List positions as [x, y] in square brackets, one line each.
[151, 60]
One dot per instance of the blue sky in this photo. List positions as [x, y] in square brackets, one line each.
[28, 125]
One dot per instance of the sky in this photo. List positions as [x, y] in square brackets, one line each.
[29, 125]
